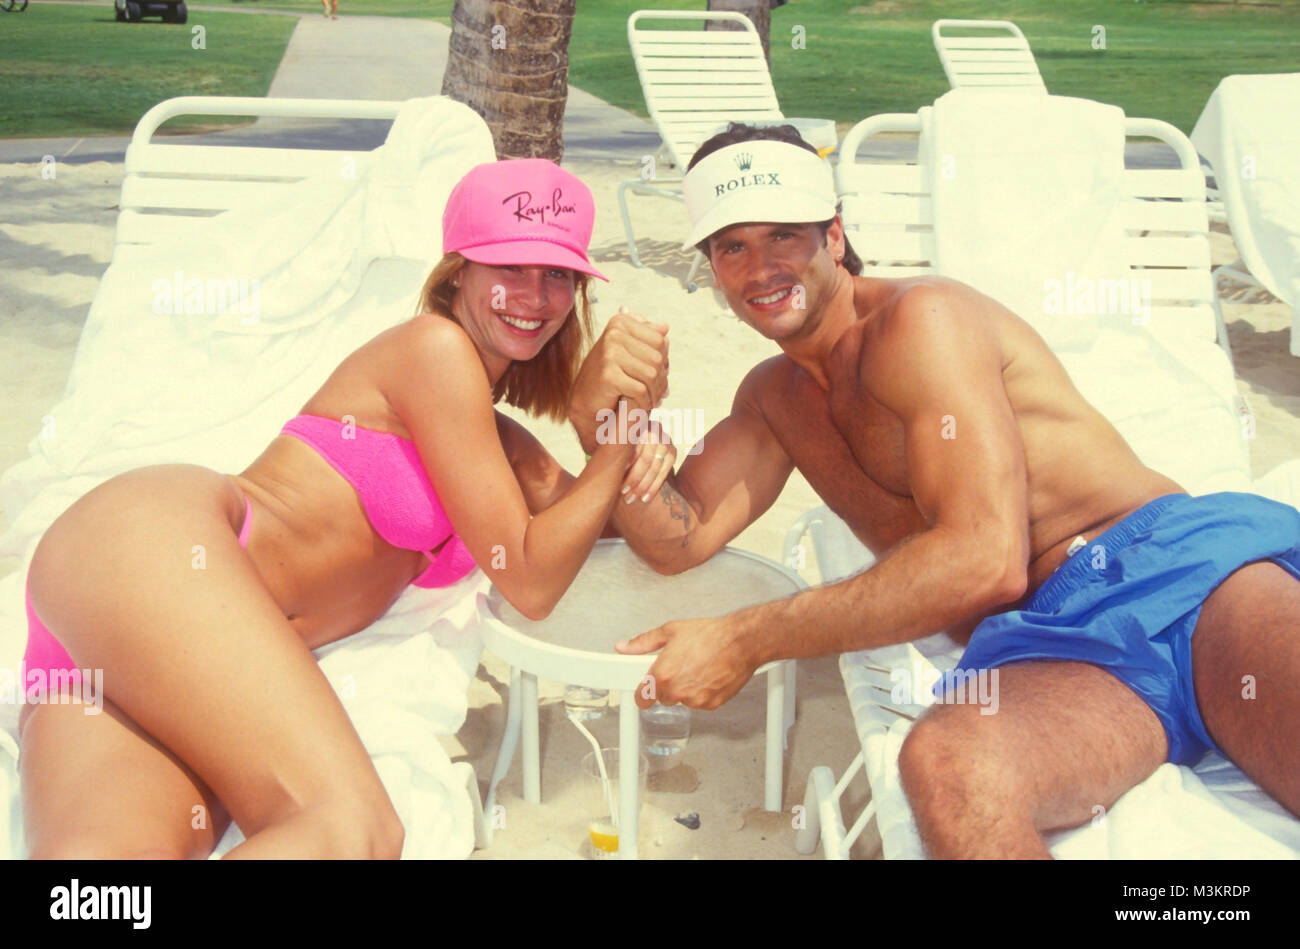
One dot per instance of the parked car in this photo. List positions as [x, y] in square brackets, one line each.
[171, 11]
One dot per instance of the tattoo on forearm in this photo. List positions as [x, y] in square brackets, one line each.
[677, 508]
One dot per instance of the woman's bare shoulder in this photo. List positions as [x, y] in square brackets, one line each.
[433, 336]
[430, 361]
[422, 345]
[424, 357]
[427, 332]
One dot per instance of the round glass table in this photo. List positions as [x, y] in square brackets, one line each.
[615, 597]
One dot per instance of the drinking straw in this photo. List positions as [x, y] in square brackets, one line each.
[600, 764]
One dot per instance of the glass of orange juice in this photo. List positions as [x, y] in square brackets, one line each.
[601, 796]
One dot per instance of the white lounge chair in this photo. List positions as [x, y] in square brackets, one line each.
[888, 216]
[1000, 59]
[840, 555]
[870, 678]
[125, 405]
[693, 81]
[159, 207]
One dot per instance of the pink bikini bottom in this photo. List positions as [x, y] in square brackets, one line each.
[46, 653]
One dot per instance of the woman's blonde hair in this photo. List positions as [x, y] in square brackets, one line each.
[540, 386]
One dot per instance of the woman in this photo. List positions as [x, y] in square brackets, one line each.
[201, 595]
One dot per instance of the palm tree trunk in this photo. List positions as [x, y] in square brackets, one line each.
[509, 61]
[759, 11]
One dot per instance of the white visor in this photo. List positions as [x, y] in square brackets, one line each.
[757, 182]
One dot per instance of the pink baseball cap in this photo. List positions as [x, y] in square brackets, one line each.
[525, 211]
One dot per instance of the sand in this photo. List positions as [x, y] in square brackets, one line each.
[56, 240]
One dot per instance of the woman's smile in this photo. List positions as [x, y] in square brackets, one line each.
[522, 326]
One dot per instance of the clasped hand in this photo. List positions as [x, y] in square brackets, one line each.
[628, 364]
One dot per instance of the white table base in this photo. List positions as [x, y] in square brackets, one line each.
[521, 715]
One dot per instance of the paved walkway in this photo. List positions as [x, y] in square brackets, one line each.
[363, 58]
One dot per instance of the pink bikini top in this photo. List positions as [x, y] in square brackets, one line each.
[398, 498]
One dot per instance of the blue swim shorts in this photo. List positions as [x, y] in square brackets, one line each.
[1129, 600]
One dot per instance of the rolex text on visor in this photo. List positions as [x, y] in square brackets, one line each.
[757, 182]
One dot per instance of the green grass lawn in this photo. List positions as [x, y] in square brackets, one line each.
[1162, 59]
[72, 70]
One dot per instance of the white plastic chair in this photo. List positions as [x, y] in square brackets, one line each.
[869, 683]
[169, 189]
[840, 555]
[693, 81]
[1000, 60]
[888, 217]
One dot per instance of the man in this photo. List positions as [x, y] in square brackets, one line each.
[942, 429]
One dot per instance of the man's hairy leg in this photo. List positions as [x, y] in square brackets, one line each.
[1067, 739]
[1246, 666]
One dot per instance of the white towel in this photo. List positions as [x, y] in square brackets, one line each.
[1250, 134]
[10, 800]
[1027, 197]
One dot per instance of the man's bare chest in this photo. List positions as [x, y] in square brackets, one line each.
[851, 450]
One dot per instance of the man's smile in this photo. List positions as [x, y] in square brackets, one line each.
[771, 301]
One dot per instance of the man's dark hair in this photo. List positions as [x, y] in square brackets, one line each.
[740, 132]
